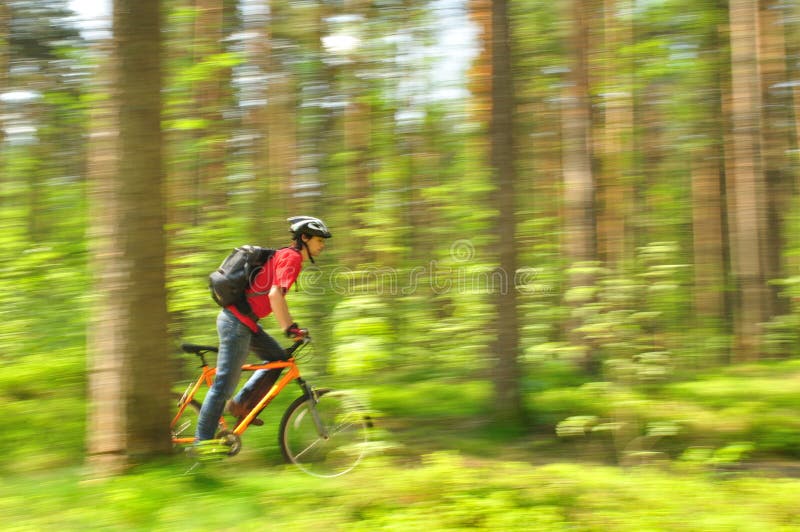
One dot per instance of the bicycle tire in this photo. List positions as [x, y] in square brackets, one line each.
[187, 426]
[347, 426]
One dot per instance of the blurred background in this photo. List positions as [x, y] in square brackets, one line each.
[573, 223]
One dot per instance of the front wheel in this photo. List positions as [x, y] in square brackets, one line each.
[334, 442]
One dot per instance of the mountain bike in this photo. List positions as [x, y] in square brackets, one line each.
[323, 432]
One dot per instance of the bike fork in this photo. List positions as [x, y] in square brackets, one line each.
[313, 400]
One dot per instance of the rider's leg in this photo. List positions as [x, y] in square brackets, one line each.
[234, 343]
[268, 349]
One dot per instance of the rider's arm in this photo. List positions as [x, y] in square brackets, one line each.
[280, 309]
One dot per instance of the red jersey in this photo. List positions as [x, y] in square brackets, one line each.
[281, 271]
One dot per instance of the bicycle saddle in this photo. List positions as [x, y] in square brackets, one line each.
[198, 349]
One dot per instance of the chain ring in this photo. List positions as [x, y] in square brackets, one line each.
[231, 440]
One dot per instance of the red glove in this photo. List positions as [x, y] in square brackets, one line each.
[294, 331]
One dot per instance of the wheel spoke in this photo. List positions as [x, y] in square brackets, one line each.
[187, 423]
[308, 448]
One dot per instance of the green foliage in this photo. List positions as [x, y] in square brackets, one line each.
[361, 335]
[445, 491]
[630, 322]
[781, 336]
[743, 404]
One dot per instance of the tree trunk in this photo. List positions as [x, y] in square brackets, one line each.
[776, 143]
[106, 437]
[508, 401]
[748, 178]
[281, 140]
[131, 372]
[268, 215]
[578, 178]
[356, 132]
[182, 191]
[707, 234]
[210, 99]
[140, 181]
[5, 20]
[357, 123]
[617, 135]
[709, 226]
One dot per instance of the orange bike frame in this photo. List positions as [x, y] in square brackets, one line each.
[207, 377]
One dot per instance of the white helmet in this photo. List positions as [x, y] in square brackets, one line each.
[307, 225]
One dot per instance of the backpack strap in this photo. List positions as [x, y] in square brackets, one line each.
[244, 309]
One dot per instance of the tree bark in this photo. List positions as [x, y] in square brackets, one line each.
[580, 244]
[5, 20]
[131, 375]
[578, 177]
[748, 177]
[776, 143]
[268, 215]
[617, 135]
[508, 400]
[106, 437]
[210, 95]
[709, 223]
[707, 235]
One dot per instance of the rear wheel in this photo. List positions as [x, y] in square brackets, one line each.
[184, 428]
[333, 448]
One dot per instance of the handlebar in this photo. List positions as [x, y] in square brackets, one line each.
[298, 342]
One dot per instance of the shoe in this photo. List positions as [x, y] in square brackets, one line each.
[240, 411]
[208, 451]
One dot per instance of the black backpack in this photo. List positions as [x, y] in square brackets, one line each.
[229, 282]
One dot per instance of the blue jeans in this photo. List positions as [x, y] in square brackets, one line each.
[235, 341]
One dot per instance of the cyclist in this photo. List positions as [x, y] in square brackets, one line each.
[239, 332]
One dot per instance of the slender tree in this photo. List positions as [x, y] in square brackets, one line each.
[492, 102]
[508, 403]
[180, 107]
[617, 134]
[270, 198]
[748, 178]
[106, 428]
[579, 182]
[579, 221]
[5, 52]
[777, 142]
[210, 98]
[708, 179]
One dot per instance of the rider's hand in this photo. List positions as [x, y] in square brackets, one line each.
[294, 331]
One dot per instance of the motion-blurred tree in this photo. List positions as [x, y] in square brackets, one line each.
[579, 181]
[137, 375]
[579, 214]
[4, 61]
[777, 141]
[749, 212]
[211, 87]
[106, 425]
[506, 376]
[616, 157]
[709, 243]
